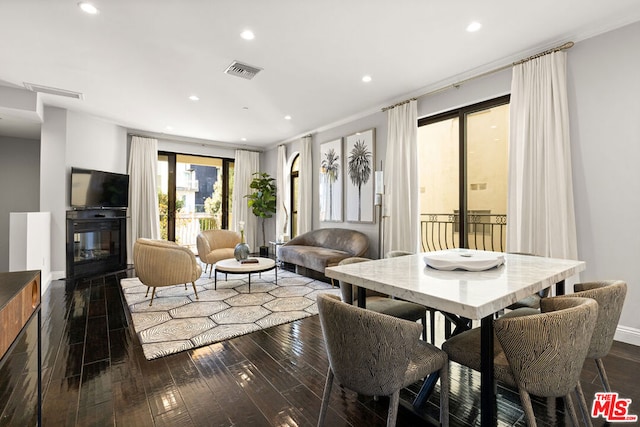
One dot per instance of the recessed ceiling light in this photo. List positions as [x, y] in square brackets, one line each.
[88, 8]
[247, 35]
[243, 139]
[169, 128]
[474, 26]
[287, 117]
[194, 98]
[366, 79]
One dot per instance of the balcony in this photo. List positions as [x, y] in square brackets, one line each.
[188, 185]
[188, 225]
[486, 231]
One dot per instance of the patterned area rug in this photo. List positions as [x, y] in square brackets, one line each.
[177, 321]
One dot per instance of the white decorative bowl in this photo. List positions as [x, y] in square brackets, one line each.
[460, 259]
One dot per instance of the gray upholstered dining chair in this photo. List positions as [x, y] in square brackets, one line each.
[377, 355]
[382, 303]
[432, 312]
[540, 354]
[397, 253]
[533, 300]
[610, 295]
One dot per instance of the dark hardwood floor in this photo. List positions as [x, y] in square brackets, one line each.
[95, 374]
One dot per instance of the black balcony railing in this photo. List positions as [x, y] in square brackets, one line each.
[486, 231]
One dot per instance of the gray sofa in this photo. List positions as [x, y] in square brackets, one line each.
[323, 248]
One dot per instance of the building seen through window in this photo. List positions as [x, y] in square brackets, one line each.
[194, 194]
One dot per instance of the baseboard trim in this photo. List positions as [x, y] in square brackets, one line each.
[44, 283]
[627, 335]
[57, 275]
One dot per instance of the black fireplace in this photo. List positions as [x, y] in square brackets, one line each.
[96, 242]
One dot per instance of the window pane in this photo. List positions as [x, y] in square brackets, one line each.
[438, 151]
[295, 167]
[198, 197]
[484, 190]
[162, 181]
[201, 193]
[487, 136]
[295, 195]
[230, 197]
[295, 203]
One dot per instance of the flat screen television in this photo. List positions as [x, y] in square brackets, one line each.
[97, 189]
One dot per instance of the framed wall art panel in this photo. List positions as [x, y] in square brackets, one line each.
[330, 181]
[359, 176]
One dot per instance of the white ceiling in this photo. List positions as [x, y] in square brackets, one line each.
[137, 61]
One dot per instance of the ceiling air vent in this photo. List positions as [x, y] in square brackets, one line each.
[53, 91]
[245, 71]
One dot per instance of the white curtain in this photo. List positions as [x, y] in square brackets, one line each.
[540, 211]
[305, 213]
[144, 216]
[246, 164]
[282, 210]
[401, 202]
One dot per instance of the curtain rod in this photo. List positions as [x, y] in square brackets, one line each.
[565, 46]
[399, 104]
[248, 151]
[199, 143]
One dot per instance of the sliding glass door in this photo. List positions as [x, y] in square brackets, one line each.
[194, 194]
[463, 177]
[295, 195]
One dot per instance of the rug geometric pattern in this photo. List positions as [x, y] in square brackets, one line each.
[177, 321]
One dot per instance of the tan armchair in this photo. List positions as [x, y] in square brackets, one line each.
[163, 263]
[216, 245]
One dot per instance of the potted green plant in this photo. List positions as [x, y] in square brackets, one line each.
[262, 201]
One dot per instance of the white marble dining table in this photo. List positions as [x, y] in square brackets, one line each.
[474, 295]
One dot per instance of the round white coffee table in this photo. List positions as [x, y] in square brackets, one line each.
[233, 266]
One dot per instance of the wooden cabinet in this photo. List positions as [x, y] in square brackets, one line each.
[20, 349]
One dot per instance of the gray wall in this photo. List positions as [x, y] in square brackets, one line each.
[605, 143]
[19, 185]
[377, 121]
[71, 139]
[478, 90]
[195, 148]
[53, 191]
